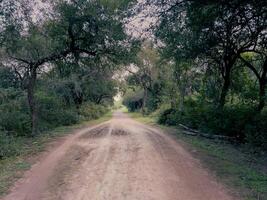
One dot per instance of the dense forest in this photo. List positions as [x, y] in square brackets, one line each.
[202, 64]
[57, 64]
[207, 69]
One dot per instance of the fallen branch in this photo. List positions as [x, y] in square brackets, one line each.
[190, 133]
[193, 132]
[189, 129]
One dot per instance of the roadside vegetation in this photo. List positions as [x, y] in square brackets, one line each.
[208, 70]
[57, 65]
[208, 73]
[243, 172]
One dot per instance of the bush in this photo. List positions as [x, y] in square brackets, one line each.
[16, 122]
[53, 113]
[169, 117]
[15, 118]
[90, 111]
[240, 122]
[230, 121]
[256, 132]
[9, 146]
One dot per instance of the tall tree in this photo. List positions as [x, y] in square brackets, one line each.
[258, 65]
[218, 31]
[146, 63]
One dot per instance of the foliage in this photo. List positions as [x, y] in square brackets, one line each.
[9, 146]
[133, 100]
[15, 118]
[81, 34]
[89, 111]
[8, 78]
[52, 113]
[211, 66]
[233, 121]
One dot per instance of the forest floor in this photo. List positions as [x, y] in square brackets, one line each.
[118, 160]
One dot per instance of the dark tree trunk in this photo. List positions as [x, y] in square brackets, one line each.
[144, 101]
[228, 63]
[182, 96]
[225, 88]
[262, 78]
[99, 99]
[31, 99]
[262, 84]
[262, 94]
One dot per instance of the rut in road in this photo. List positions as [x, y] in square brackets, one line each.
[119, 160]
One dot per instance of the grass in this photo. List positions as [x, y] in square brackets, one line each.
[143, 118]
[243, 172]
[231, 164]
[139, 117]
[13, 167]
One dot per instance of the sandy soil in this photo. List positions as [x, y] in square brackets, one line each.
[121, 159]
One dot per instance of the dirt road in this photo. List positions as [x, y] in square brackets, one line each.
[118, 160]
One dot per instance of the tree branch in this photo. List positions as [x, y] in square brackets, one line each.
[21, 60]
[250, 66]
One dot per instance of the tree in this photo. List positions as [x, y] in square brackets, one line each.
[259, 68]
[146, 71]
[79, 30]
[182, 75]
[217, 31]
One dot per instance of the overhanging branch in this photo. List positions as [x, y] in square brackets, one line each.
[250, 66]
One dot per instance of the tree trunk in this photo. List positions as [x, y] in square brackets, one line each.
[262, 84]
[182, 95]
[225, 89]
[31, 99]
[262, 94]
[228, 64]
[144, 100]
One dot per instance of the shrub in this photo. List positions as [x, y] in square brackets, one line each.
[15, 118]
[9, 146]
[90, 111]
[16, 122]
[256, 132]
[53, 113]
[169, 117]
[240, 122]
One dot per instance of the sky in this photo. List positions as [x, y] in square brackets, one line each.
[137, 26]
[40, 7]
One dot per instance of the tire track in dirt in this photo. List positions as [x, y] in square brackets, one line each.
[119, 160]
